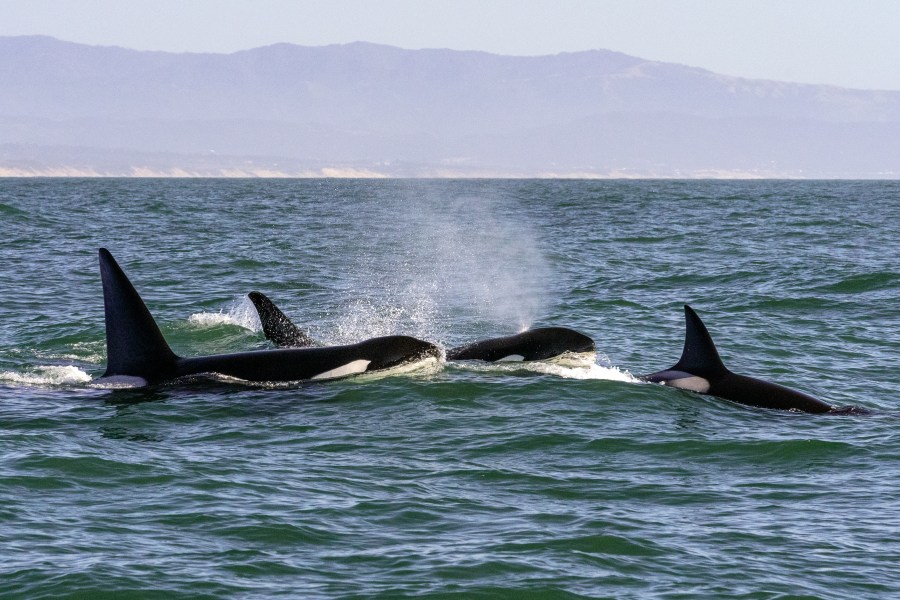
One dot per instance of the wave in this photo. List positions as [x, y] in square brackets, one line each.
[864, 282]
[93, 352]
[8, 210]
[593, 371]
[567, 366]
[47, 376]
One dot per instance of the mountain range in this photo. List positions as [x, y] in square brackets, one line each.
[371, 110]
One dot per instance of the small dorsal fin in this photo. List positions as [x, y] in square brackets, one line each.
[699, 356]
[134, 344]
[276, 326]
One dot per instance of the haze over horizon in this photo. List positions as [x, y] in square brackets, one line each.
[648, 88]
[373, 110]
[802, 41]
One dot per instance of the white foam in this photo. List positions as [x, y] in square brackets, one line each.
[593, 371]
[241, 313]
[567, 366]
[47, 376]
[211, 319]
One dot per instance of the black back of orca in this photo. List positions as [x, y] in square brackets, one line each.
[535, 344]
[136, 349]
[276, 326]
[326, 362]
[701, 370]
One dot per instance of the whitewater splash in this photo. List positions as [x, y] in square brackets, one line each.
[47, 376]
[359, 319]
[241, 313]
[593, 371]
[364, 319]
[586, 365]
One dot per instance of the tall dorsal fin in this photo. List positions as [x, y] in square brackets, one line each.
[134, 344]
[699, 356]
[276, 326]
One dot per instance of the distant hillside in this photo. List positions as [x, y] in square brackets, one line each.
[365, 109]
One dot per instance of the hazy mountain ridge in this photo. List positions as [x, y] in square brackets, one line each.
[372, 107]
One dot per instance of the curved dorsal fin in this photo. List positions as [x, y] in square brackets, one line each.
[276, 326]
[699, 356]
[134, 344]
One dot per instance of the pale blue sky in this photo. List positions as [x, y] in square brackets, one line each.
[852, 43]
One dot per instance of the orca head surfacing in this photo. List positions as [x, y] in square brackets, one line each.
[277, 328]
[396, 350]
[535, 344]
[701, 370]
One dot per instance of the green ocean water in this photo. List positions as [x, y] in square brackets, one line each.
[461, 481]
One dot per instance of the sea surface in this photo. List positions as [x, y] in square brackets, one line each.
[462, 480]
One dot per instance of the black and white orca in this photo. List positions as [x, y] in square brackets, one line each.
[138, 354]
[701, 370]
[536, 344]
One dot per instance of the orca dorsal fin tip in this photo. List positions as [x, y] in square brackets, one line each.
[700, 355]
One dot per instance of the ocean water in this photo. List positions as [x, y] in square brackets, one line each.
[462, 480]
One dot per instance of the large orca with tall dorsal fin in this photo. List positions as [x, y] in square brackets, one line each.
[701, 370]
[535, 344]
[138, 354]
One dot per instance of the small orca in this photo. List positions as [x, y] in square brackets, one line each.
[137, 353]
[701, 370]
[535, 344]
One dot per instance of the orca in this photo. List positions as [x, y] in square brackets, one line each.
[138, 354]
[535, 344]
[701, 370]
